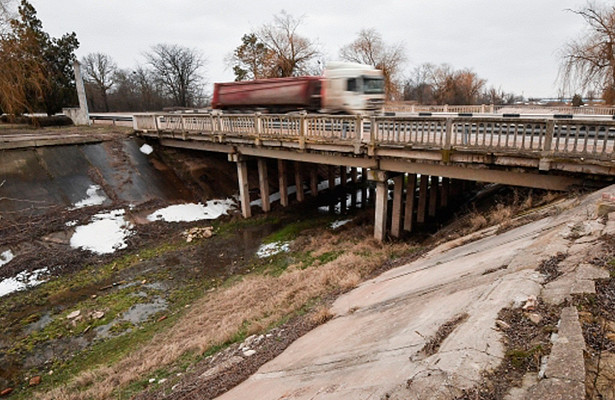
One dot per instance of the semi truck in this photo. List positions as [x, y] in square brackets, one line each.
[344, 88]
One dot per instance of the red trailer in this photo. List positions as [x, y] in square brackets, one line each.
[274, 95]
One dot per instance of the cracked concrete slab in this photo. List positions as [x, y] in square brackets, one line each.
[565, 372]
[368, 350]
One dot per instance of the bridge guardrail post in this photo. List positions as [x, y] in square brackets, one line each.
[358, 134]
[183, 126]
[302, 131]
[157, 125]
[372, 137]
[257, 128]
[550, 130]
[544, 164]
[219, 120]
[448, 138]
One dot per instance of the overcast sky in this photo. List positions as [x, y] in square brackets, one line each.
[512, 44]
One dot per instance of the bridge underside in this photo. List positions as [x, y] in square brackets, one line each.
[424, 181]
[505, 169]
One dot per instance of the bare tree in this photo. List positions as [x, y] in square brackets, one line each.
[100, 72]
[6, 13]
[293, 54]
[180, 71]
[369, 48]
[444, 85]
[419, 86]
[588, 62]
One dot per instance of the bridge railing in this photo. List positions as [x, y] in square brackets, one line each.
[498, 135]
[430, 132]
[545, 137]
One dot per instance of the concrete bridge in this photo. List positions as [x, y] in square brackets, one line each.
[435, 154]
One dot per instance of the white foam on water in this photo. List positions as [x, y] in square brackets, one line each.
[271, 249]
[93, 198]
[6, 257]
[146, 149]
[21, 281]
[193, 212]
[338, 223]
[105, 234]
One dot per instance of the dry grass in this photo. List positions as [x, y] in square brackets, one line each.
[503, 214]
[251, 305]
[321, 315]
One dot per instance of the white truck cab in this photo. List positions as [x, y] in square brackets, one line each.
[352, 88]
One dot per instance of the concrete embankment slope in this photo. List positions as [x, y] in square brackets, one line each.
[371, 348]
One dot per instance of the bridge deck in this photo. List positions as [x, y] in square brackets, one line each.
[526, 152]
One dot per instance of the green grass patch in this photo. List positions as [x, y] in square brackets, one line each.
[293, 229]
[112, 304]
[226, 229]
[521, 359]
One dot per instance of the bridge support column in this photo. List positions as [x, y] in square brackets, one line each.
[314, 180]
[455, 188]
[421, 212]
[445, 192]
[263, 183]
[354, 176]
[382, 200]
[244, 190]
[282, 182]
[343, 182]
[433, 196]
[299, 181]
[331, 176]
[363, 187]
[410, 200]
[398, 191]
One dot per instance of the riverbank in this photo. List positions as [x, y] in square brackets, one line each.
[170, 305]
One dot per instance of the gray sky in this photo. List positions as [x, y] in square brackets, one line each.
[512, 44]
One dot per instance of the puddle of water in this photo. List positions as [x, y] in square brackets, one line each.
[271, 249]
[93, 198]
[40, 324]
[193, 212]
[141, 312]
[136, 314]
[22, 281]
[6, 257]
[105, 234]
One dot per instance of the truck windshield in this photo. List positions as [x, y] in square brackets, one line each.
[373, 85]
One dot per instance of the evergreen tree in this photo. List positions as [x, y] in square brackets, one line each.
[36, 71]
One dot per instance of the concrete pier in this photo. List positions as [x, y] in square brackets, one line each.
[421, 212]
[314, 180]
[282, 179]
[410, 201]
[299, 181]
[263, 182]
[382, 200]
[433, 196]
[244, 190]
[396, 215]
